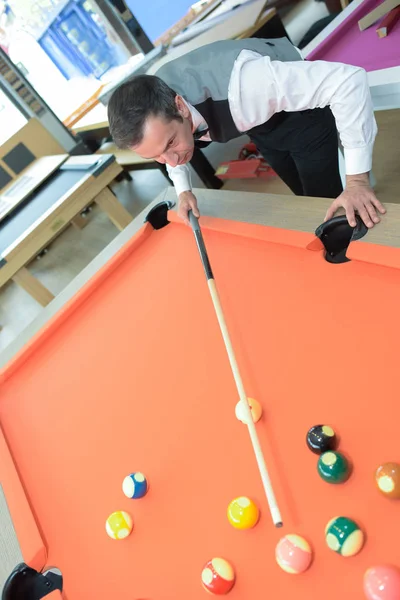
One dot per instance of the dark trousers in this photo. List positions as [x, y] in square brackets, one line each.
[302, 147]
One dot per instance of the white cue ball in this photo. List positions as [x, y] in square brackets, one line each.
[255, 407]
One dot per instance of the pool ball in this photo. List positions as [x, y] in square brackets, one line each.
[333, 467]
[344, 536]
[243, 513]
[382, 583]
[388, 479]
[135, 485]
[293, 554]
[321, 438]
[119, 525]
[218, 576]
[255, 408]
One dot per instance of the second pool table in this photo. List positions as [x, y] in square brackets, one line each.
[126, 371]
[346, 43]
[342, 41]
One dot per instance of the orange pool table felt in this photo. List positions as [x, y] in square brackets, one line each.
[131, 374]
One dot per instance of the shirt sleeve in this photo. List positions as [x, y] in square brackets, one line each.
[180, 176]
[260, 87]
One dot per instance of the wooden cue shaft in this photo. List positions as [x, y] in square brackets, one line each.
[265, 478]
[273, 505]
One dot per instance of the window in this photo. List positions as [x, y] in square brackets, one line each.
[11, 119]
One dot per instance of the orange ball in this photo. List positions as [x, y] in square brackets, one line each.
[388, 479]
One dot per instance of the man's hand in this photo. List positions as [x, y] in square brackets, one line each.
[358, 197]
[187, 201]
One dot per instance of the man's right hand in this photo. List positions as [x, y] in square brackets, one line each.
[187, 201]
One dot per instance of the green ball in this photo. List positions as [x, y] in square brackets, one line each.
[344, 536]
[333, 467]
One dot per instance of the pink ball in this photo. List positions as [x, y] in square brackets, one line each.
[293, 554]
[382, 583]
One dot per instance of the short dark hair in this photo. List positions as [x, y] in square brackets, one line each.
[133, 102]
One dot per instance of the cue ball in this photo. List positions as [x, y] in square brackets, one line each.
[344, 536]
[388, 479]
[135, 486]
[119, 525]
[255, 408]
[333, 467]
[243, 513]
[321, 438]
[218, 576]
[382, 583]
[293, 554]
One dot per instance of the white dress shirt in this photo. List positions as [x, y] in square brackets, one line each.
[260, 87]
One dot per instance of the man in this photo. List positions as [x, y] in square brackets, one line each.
[291, 109]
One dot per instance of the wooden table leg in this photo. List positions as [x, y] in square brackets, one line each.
[79, 222]
[33, 286]
[114, 209]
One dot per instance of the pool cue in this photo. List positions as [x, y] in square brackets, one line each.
[269, 492]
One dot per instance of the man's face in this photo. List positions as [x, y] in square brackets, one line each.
[168, 142]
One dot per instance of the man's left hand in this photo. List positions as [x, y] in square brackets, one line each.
[358, 197]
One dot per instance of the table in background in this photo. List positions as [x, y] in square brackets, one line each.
[27, 181]
[230, 15]
[253, 19]
[49, 209]
[126, 370]
[342, 41]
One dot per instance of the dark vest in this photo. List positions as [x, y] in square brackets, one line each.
[202, 78]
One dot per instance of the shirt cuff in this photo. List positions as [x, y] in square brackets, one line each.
[181, 178]
[358, 160]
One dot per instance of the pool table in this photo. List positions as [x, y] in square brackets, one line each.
[342, 41]
[126, 371]
[49, 209]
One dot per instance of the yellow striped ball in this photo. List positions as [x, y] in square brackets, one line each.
[119, 525]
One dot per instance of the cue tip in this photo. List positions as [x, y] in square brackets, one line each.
[279, 524]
